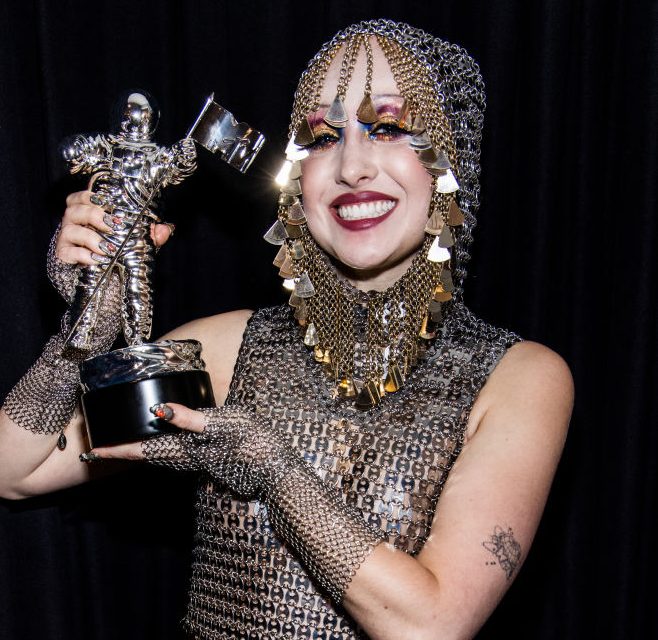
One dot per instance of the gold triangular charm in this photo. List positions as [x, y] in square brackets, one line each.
[311, 336]
[304, 287]
[455, 214]
[292, 187]
[437, 253]
[296, 250]
[394, 380]
[296, 170]
[296, 214]
[304, 135]
[368, 397]
[435, 224]
[366, 112]
[446, 182]
[336, 116]
[286, 270]
[346, 388]
[420, 142]
[446, 280]
[446, 239]
[276, 234]
[280, 256]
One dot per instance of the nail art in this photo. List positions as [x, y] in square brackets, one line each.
[115, 222]
[100, 259]
[107, 247]
[90, 456]
[162, 411]
[94, 198]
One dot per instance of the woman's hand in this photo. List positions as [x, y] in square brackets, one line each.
[79, 240]
[181, 416]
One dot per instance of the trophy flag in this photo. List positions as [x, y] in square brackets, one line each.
[218, 131]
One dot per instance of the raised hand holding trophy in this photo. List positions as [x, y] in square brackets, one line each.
[129, 171]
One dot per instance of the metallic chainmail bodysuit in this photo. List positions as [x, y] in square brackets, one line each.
[390, 463]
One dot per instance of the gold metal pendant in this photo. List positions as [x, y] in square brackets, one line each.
[296, 250]
[304, 135]
[296, 214]
[286, 270]
[366, 112]
[441, 295]
[420, 142]
[311, 336]
[292, 187]
[435, 224]
[446, 239]
[455, 214]
[276, 234]
[369, 396]
[296, 170]
[394, 379]
[346, 388]
[446, 280]
[437, 253]
[304, 287]
[336, 116]
[280, 257]
[295, 301]
[285, 199]
[294, 231]
[446, 182]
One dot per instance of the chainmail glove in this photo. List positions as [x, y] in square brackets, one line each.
[252, 459]
[45, 398]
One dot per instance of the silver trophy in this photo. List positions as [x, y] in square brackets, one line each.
[128, 172]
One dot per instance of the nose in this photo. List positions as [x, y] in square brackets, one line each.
[355, 160]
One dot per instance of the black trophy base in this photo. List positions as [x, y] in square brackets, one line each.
[120, 412]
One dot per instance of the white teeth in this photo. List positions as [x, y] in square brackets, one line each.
[373, 209]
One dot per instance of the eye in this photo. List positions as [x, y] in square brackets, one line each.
[325, 137]
[387, 131]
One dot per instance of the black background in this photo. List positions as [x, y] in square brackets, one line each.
[564, 254]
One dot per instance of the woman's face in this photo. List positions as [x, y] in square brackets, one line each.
[366, 195]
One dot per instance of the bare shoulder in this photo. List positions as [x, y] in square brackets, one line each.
[221, 337]
[531, 382]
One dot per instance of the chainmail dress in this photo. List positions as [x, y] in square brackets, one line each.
[390, 463]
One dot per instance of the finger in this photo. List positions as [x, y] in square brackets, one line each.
[180, 416]
[78, 197]
[160, 233]
[72, 238]
[129, 451]
[89, 215]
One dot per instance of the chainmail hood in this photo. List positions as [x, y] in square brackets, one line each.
[459, 94]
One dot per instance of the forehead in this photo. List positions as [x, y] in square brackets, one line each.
[383, 82]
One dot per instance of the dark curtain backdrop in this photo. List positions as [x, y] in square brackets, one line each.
[564, 254]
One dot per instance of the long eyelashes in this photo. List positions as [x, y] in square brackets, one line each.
[384, 130]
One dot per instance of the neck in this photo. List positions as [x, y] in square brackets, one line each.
[375, 279]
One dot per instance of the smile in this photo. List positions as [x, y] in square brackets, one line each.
[365, 210]
[362, 209]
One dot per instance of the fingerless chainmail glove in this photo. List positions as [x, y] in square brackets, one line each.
[45, 398]
[243, 452]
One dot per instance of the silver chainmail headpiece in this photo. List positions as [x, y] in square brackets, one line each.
[459, 93]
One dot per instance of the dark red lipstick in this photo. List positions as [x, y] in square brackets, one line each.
[360, 197]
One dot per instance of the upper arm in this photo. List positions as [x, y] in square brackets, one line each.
[493, 498]
[220, 337]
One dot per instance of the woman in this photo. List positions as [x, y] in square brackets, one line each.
[349, 413]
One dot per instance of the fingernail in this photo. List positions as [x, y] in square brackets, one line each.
[94, 198]
[107, 247]
[162, 411]
[172, 228]
[99, 258]
[114, 222]
[90, 456]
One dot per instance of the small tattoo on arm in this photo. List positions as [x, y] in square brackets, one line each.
[503, 545]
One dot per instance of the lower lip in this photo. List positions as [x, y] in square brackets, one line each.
[363, 223]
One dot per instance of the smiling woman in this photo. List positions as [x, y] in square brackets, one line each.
[383, 457]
